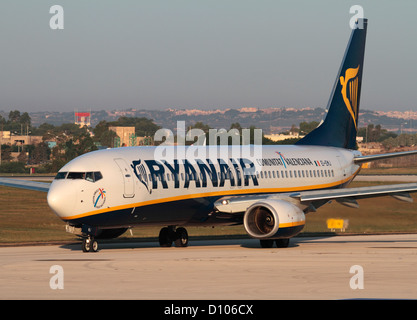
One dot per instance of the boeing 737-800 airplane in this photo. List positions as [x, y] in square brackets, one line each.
[268, 190]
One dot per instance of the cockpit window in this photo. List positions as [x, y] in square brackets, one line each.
[93, 176]
[61, 175]
[89, 176]
[76, 175]
[97, 176]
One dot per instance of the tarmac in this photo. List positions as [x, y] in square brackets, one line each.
[336, 267]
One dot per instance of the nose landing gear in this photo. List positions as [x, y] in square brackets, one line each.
[90, 244]
[88, 233]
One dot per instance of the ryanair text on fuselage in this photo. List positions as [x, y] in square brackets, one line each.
[239, 171]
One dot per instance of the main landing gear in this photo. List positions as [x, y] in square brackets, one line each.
[169, 234]
[280, 243]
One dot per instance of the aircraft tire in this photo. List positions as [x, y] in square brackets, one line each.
[282, 243]
[94, 245]
[181, 239]
[86, 246]
[269, 243]
[165, 239]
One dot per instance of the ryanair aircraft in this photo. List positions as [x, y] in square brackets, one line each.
[268, 189]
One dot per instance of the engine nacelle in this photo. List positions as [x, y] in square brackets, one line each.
[273, 219]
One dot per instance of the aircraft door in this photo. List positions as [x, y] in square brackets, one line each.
[129, 183]
[342, 167]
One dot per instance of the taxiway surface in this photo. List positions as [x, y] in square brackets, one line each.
[311, 268]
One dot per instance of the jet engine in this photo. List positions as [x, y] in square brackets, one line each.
[273, 219]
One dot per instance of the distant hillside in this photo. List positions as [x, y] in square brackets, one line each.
[270, 120]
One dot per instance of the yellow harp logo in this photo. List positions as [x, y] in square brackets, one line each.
[350, 84]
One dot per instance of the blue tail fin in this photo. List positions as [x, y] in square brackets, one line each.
[341, 123]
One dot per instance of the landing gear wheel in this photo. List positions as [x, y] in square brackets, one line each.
[165, 239]
[269, 243]
[282, 243]
[90, 244]
[86, 245]
[181, 239]
[94, 246]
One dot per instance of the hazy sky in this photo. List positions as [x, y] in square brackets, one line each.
[209, 54]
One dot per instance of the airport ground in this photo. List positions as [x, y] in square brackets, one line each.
[338, 267]
[318, 267]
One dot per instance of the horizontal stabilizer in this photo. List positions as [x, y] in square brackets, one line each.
[363, 159]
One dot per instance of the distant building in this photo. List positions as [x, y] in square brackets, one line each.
[280, 137]
[126, 136]
[51, 144]
[7, 138]
[82, 118]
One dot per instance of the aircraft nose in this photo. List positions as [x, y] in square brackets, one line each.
[61, 200]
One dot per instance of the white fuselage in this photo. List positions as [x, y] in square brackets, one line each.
[137, 182]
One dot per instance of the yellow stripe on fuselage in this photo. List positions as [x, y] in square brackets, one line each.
[212, 194]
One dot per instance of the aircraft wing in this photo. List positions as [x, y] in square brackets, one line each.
[397, 190]
[25, 184]
[312, 199]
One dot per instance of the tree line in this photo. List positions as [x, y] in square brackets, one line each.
[71, 140]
